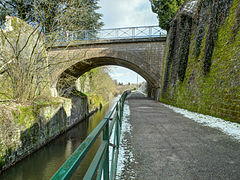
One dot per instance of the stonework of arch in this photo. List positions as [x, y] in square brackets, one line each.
[144, 56]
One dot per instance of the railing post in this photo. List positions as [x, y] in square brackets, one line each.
[122, 106]
[116, 143]
[106, 161]
[116, 33]
[150, 31]
[117, 126]
[133, 32]
[85, 35]
[120, 111]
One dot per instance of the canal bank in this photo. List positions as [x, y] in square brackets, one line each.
[46, 161]
[26, 128]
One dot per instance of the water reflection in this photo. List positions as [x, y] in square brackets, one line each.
[42, 164]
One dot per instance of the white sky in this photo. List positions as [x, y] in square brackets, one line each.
[125, 75]
[126, 13]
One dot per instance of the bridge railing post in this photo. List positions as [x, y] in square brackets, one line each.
[133, 32]
[85, 35]
[116, 33]
[150, 31]
[106, 161]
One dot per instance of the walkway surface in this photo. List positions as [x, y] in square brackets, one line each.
[168, 146]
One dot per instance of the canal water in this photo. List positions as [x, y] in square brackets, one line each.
[42, 164]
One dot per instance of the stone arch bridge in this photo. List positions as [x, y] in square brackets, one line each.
[142, 54]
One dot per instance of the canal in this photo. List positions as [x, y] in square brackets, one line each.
[42, 164]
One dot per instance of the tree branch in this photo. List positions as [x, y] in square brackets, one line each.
[28, 39]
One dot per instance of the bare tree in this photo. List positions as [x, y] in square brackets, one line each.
[22, 57]
[24, 63]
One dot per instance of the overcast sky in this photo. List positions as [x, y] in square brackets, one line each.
[126, 13]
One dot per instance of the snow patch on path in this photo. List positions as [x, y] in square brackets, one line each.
[229, 128]
[125, 155]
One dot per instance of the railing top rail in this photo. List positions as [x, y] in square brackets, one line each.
[102, 155]
[111, 34]
[119, 28]
[71, 164]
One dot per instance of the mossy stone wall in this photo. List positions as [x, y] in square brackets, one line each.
[32, 126]
[208, 80]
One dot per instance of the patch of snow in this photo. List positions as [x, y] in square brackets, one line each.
[141, 92]
[227, 127]
[142, 107]
[125, 154]
[190, 7]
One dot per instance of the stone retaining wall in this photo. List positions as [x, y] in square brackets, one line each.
[32, 127]
[202, 69]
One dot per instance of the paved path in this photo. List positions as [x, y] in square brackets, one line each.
[168, 146]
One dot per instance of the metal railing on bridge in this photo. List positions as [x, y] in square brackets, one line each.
[100, 168]
[111, 34]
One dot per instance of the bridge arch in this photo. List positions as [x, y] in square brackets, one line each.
[145, 58]
[84, 65]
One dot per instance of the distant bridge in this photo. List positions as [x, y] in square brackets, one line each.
[137, 48]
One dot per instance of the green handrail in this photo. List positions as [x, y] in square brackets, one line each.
[99, 166]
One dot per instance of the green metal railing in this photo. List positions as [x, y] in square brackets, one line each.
[100, 167]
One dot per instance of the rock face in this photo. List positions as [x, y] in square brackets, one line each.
[202, 69]
[31, 127]
[23, 61]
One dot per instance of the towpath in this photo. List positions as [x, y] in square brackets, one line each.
[168, 146]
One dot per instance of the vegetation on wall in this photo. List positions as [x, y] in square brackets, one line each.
[215, 92]
[169, 53]
[185, 28]
[99, 86]
[177, 51]
[202, 19]
[218, 12]
[96, 84]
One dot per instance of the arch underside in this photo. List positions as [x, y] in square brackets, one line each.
[84, 66]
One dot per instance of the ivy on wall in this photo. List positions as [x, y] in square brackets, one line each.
[202, 19]
[185, 24]
[236, 25]
[219, 11]
[210, 83]
[170, 53]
